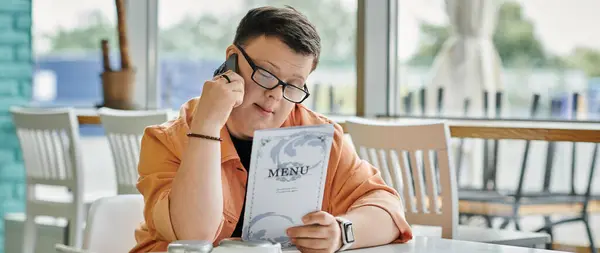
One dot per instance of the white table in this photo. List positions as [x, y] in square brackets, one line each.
[488, 235]
[422, 244]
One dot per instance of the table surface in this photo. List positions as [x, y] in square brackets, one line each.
[487, 235]
[437, 245]
[422, 244]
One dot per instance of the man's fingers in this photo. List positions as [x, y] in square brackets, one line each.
[231, 75]
[308, 231]
[311, 243]
[319, 217]
[307, 250]
[237, 86]
[319, 234]
[235, 82]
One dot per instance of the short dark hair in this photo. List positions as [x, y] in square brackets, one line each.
[286, 23]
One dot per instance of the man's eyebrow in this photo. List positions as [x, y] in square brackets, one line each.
[279, 69]
[272, 64]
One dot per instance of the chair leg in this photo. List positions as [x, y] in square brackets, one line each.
[76, 227]
[29, 234]
[517, 221]
[590, 236]
[66, 239]
[507, 220]
[505, 223]
[549, 230]
[488, 221]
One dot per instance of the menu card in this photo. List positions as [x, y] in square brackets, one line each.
[288, 168]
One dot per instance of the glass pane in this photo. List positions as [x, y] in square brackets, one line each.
[193, 38]
[66, 46]
[545, 48]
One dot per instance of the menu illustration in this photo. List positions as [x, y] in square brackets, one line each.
[288, 168]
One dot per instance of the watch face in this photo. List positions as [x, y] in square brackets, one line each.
[349, 232]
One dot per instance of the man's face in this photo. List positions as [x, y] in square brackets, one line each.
[263, 108]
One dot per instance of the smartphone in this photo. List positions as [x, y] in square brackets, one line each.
[229, 64]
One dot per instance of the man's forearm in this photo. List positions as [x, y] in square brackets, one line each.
[372, 226]
[196, 200]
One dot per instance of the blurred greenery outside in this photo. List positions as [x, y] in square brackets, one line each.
[206, 36]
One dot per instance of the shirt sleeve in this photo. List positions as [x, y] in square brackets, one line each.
[357, 183]
[158, 164]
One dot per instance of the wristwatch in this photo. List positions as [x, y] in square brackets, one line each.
[347, 233]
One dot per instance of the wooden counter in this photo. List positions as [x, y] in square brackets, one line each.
[472, 128]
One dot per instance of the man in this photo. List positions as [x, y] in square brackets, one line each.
[193, 170]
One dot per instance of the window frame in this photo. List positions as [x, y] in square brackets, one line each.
[142, 30]
[376, 36]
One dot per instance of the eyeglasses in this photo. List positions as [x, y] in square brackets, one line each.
[269, 81]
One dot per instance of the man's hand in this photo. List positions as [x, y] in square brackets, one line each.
[219, 97]
[320, 233]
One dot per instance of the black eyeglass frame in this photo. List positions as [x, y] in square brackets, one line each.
[279, 82]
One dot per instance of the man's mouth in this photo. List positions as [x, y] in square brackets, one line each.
[265, 110]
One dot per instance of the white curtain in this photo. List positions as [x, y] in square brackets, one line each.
[468, 63]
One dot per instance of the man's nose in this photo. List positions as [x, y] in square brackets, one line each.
[276, 93]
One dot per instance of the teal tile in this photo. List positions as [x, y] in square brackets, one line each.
[23, 21]
[15, 5]
[7, 54]
[16, 70]
[12, 173]
[11, 37]
[9, 88]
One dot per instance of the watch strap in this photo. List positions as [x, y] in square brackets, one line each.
[347, 233]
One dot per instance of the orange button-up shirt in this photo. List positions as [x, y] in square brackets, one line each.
[351, 182]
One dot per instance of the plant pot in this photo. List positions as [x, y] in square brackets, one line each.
[118, 89]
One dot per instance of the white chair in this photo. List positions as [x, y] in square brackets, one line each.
[407, 156]
[111, 225]
[50, 144]
[124, 130]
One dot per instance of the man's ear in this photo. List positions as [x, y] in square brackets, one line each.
[231, 49]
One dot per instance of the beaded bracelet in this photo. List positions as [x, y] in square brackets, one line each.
[204, 136]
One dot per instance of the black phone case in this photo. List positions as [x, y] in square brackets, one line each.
[229, 64]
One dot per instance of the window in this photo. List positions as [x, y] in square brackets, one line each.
[544, 46]
[193, 38]
[66, 47]
[66, 50]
